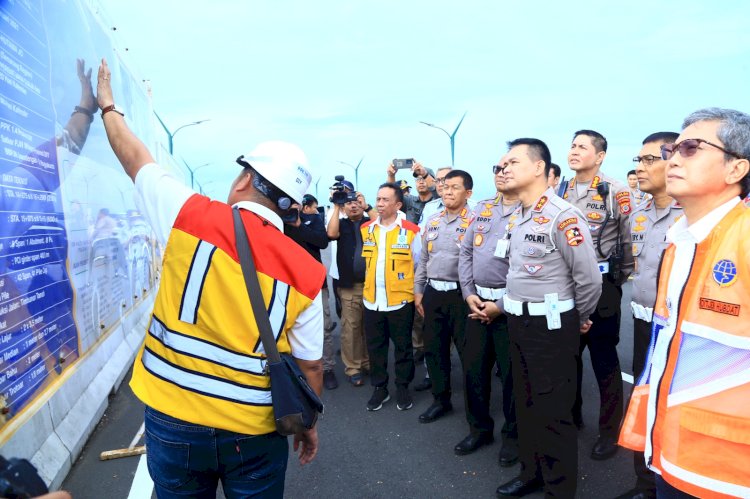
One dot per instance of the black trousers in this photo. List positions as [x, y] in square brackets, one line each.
[380, 327]
[444, 320]
[544, 370]
[602, 340]
[641, 340]
[487, 345]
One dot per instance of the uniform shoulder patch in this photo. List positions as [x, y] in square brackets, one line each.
[574, 236]
[567, 223]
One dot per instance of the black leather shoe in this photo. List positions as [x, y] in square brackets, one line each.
[418, 355]
[472, 443]
[637, 494]
[519, 488]
[508, 453]
[604, 448]
[329, 380]
[436, 411]
[423, 385]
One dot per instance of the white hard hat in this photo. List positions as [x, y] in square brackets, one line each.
[283, 164]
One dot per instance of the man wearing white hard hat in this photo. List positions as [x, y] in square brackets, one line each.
[201, 369]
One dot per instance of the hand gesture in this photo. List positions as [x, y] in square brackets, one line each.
[391, 170]
[88, 101]
[103, 87]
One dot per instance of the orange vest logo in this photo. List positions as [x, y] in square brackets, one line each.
[725, 273]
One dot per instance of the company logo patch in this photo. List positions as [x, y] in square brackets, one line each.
[532, 269]
[719, 306]
[623, 199]
[725, 273]
[541, 220]
[568, 222]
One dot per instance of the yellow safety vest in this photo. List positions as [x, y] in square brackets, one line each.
[202, 360]
[399, 263]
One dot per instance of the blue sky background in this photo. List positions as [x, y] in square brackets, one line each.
[347, 80]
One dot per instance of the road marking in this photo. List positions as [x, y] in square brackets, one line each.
[138, 435]
[142, 486]
[628, 378]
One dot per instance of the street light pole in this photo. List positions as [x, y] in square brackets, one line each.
[171, 135]
[451, 136]
[193, 171]
[356, 171]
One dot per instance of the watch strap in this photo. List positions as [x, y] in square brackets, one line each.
[109, 108]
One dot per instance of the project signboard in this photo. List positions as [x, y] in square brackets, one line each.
[75, 254]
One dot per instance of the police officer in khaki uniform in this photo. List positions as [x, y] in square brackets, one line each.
[606, 204]
[437, 294]
[482, 274]
[649, 223]
[552, 289]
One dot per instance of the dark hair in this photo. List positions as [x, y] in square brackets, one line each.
[465, 177]
[631, 172]
[537, 150]
[663, 137]
[396, 189]
[599, 141]
[555, 168]
[309, 200]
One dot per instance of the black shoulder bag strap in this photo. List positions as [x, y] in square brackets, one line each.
[260, 313]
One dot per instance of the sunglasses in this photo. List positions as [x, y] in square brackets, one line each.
[497, 169]
[420, 177]
[647, 160]
[689, 147]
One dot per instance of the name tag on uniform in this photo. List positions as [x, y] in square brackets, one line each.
[501, 250]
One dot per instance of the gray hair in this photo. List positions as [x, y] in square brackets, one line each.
[733, 132]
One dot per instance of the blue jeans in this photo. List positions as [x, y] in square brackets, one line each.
[188, 460]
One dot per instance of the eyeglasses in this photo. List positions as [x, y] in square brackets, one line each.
[689, 147]
[440, 180]
[497, 169]
[648, 159]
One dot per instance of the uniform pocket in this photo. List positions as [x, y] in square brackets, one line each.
[534, 250]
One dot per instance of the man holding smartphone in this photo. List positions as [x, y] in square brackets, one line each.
[424, 178]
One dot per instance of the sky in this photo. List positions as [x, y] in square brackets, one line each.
[351, 80]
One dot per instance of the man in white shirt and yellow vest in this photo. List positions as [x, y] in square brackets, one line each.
[390, 247]
[690, 411]
[201, 371]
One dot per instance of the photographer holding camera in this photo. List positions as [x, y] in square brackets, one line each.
[424, 178]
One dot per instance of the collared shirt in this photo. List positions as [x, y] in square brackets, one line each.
[160, 196]
[551, 252]
[435, 206]
[440, 247]
[381, 303]
[649, 234]
[478, 263]
[595, 208]
[413, 206]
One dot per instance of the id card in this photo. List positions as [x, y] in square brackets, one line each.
[501, 250]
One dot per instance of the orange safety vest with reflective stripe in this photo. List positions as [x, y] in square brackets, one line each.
[202, 360]
[690, 412]
[399, 262]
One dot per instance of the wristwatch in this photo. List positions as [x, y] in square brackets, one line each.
[111, 107]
